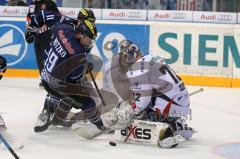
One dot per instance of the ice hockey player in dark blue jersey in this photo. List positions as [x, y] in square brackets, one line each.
[63, 74]
[43, 20]
[39, 23]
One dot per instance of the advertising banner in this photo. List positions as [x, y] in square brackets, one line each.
[124, 14]
[140, 15]
[196, 49]
[13, 11]
[215, 17]
[170, 16]
[73, 12]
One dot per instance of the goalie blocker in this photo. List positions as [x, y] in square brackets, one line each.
[148, 133]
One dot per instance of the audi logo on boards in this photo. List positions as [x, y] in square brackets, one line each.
[134, 14]
[179, 15]
[225, 18]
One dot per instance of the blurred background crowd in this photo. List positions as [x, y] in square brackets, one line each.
[196, 5]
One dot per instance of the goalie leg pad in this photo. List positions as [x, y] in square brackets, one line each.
[141, 132]
[149, 133]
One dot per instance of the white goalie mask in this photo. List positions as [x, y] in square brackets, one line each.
[131, 53]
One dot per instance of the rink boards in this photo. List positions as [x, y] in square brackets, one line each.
[202, 53]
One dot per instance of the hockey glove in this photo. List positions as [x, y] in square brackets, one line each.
[30, 35]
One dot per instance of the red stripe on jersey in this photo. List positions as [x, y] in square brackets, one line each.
[167, 108]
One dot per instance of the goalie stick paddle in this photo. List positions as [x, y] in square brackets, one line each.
[4, 141]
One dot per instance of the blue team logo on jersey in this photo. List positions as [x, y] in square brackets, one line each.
[12, 43]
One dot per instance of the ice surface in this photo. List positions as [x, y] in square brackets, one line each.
[216, 117]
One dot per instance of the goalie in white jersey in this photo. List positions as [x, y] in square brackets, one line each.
[158, 94]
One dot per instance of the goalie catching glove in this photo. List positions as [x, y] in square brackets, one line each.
[116, 119]
[120, 117]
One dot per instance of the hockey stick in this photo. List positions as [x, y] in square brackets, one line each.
[4, 141]
[99, 94]
[197, 91]
[44, 127]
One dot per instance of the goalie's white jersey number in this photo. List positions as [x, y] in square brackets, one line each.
[165, 68]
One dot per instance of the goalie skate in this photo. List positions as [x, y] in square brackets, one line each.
[181, 128]
[170, 142]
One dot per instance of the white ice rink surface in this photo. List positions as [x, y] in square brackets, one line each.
[216, 117]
